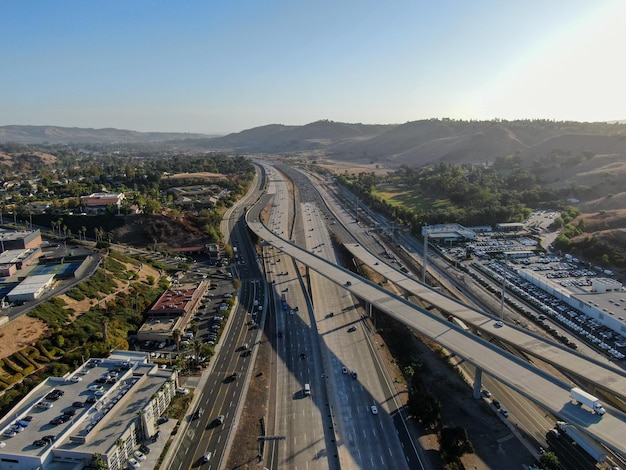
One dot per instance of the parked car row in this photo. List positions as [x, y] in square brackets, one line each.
[558, 311]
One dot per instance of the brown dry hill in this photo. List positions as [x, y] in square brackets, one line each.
[166, 231]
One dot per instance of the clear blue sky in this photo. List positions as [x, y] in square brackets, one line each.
[217, 66]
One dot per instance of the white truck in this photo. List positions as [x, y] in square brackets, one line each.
[580, 396]
[593, 449]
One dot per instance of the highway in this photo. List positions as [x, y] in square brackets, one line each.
[539, 386]
[299, 420]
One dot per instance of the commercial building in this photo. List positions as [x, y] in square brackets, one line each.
[100, 201]
[30, 288]
[172, 311]
[12, 240]
[107, 407]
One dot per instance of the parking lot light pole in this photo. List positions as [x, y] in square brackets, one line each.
[503, 288]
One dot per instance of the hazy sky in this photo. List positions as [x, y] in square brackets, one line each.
[216, 66]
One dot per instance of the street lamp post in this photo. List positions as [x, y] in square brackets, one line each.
[503, 288]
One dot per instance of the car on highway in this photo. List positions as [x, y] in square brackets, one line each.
[344, 370]
[504, 412]
[207, 457]
[220, 419]
[496, 403]
[486, 393]
[197, 414]
[374, 409]
[351, 329]
[354, 374]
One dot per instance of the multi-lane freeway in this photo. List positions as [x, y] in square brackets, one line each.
[327, 378]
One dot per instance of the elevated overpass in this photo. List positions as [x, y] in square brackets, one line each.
[605, 376]
[537, 385]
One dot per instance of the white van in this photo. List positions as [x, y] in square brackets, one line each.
[307, 389]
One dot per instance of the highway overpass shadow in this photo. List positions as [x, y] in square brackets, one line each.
[309, 359]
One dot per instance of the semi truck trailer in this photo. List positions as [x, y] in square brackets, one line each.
[582, 397]
[593, 449]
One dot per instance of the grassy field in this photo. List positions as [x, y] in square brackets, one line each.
[410, 198]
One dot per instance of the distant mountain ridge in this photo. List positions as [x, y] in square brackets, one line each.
[76, 135]
[414, 143]
[430, 141]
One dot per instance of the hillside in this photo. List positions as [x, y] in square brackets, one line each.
[414, 144]
[75, 135]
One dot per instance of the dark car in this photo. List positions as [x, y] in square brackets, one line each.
[70, 412]
[91, 399]
[197, 414]
[49, 438]
[56, 421]
[351, 329]
[78, 404]
[162, 420]
[496, 403]
[39, 443]
[144, 448]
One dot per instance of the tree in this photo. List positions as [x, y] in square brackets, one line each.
[549, 460]
[98, 462]
[176, 337]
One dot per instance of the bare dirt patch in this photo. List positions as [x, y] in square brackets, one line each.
[244, 453]
[339, 167]
[19, 333]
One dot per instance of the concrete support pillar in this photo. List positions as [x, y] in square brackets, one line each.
[478, 382]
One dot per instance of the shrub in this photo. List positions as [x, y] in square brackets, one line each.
[12, 366]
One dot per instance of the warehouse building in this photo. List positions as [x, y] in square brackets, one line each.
[30, 288]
